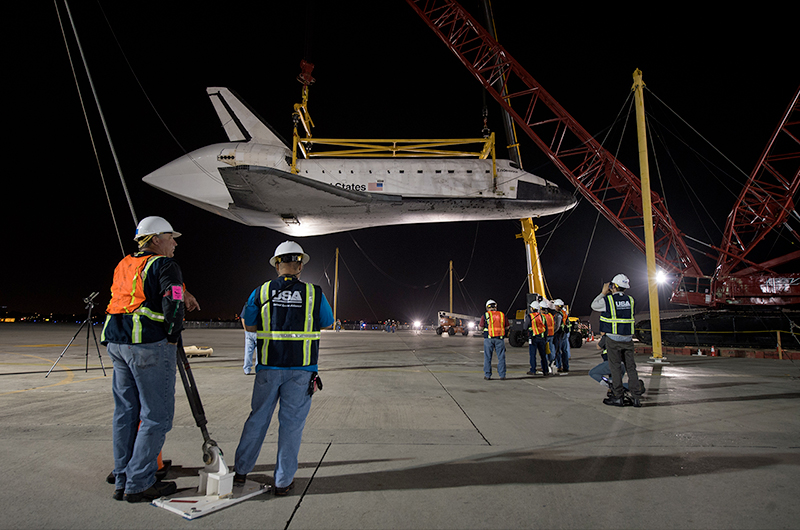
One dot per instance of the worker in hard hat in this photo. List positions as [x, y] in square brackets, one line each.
[551, 318]
[561, 338]
[495, 327]
[287, 315]
[537, 338]
[249, 346]
[616, 321]
[143, 323]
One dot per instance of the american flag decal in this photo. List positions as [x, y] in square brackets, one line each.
[375, 186]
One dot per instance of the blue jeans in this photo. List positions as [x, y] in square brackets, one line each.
[499, 346]
[291, 388]
[562, 357]
[538, 343]
[250, 340]
[603, 369]
[144, 390]
[552, 355]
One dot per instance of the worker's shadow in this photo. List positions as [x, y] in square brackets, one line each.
[519, 467]
[539, 467]
[262, 473]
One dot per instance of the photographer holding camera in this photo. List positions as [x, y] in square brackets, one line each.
[616, 321]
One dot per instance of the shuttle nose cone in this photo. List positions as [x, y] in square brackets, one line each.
[194, 177]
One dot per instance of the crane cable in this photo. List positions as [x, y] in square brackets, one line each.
[86, 118]
[100, 111]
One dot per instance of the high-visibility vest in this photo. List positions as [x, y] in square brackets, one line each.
[289, 331]
[128, 297]
[551, 324]
[495, 324]
[564, 319]
[617, 319]
[538, 325]
[127, 289]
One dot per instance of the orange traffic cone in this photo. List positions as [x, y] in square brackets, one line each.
[713, 352]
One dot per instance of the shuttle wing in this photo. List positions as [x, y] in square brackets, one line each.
[270, 190]
[299, 206]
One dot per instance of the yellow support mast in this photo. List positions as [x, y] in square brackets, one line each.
[451, 286]
[647, 216]
[535, 274]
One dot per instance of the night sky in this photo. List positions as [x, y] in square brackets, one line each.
[381, 73]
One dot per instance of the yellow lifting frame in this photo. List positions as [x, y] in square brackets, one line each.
[391, 148]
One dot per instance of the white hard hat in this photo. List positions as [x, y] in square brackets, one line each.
[490, 303]
[558, 301]
[154, 225]
[288, 248]
[622, 281]
[535, 305]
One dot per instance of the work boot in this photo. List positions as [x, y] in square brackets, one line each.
[641, 385]
[615, 401]
[285, 490]
[157, 490]
[636, 401]
[239, 480]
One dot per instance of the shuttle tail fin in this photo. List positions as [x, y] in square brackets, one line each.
[241, 123]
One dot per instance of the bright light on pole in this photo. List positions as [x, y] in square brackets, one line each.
[661, 277]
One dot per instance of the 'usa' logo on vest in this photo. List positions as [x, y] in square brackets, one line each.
[622, 304]
[286, 296]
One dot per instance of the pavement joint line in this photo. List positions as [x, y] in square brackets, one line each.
[414, 353]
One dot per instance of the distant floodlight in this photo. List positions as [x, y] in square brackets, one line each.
[417, 324]
[661, 277]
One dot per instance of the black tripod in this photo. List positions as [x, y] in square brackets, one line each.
[89, 301]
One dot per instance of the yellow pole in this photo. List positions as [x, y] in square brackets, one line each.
[451, 286]
[336, 285]
[535, 274]
[647, 215]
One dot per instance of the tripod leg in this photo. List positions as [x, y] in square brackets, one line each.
[65, 349]
[89, 320]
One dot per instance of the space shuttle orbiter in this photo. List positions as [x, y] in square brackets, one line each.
[249, 180]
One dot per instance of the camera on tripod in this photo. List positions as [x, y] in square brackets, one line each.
[90, 299]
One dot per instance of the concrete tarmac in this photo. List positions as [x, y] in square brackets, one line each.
[407, 434]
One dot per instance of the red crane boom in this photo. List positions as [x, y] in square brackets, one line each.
[604, 181]
[610, 186]
[766, 202]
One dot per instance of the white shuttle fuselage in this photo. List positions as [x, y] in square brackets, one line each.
[250, 180]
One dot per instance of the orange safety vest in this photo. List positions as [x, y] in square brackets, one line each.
[565, 319]
[551, 324]
[538, 326]
[495, 323]
[127, 289]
